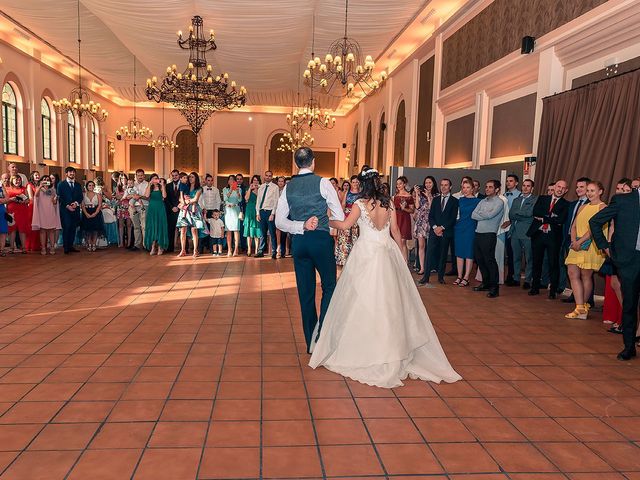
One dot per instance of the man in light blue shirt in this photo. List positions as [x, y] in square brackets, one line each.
[510, 194]
[488, 214]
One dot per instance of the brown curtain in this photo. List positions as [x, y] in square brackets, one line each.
[592, 131]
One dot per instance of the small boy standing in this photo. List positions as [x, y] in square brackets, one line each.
[216, 232]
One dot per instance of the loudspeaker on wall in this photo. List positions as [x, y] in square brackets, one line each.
[528, 44]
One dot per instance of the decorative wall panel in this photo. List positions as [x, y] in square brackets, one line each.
[512, 127]
[141, 156]
[459, 142]
[498, 30]
[187, 155]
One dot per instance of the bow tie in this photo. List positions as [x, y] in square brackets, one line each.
[508, 194]
[209, 188]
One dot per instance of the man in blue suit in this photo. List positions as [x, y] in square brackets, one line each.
[69, 199]
[521, 218]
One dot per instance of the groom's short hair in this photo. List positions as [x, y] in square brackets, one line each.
[303, 157]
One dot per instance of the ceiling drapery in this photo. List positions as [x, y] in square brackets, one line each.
[262, 43]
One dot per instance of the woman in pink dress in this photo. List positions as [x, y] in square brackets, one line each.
[33, 238]
[46, 215]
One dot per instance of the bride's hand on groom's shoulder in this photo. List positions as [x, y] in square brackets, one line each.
[311, 224]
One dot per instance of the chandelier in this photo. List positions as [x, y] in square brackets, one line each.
[344, 69]
[134, 130]
[296, 137]
[196, 92]
[163, 141]
[79, 101]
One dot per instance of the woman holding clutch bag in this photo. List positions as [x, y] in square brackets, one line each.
[584, 258]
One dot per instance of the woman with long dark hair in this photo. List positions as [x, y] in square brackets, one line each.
[190, 216]
[404, 206]
[156, 237]
[423, 196]
[376, 329]
[346, 239]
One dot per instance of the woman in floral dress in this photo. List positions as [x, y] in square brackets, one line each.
[190, 216]
[423, 198]
[346, 238]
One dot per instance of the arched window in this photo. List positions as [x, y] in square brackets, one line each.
[94, 143]
[381, 142]
[399, 143]
[280, 163]
[45, 116]
[71, 138]
[9, 120]
[368, 150]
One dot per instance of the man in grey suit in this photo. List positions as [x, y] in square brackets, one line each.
[521, 217]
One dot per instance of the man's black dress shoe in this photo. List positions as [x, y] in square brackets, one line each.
[533, 292]
[481, 288]
[423, 282]
[493, 293]
[626, 354]
[526, 285]
[441, 281]
[552, 295]
[510, 282]
[259, 255]
[451, 273]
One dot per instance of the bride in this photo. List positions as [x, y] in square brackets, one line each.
[377, 330]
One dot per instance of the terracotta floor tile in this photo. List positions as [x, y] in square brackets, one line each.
[409, 459]
[292, 409]
[187, 410]
[622, 456]
[627, 426]
[574, 457]
[324, 408]
[65, 436]
[17, 437]
[122, 435]
[350, 460]
[105, 465]
[274, 390]
[168, 464]
[239, 390]
[542, 430]
[493, 430]
[47, 392]
[393, 430]
[426, 407]
[41, 465]
[178, 434]
[236, 410]
[519, 457]
[464, 458]
[444, 430]
[31, 412]
[230, 463]
[136, 411]
[381, 408]
[287, 433]
[341, 432]
[560, 407]
[358, 389]
[516, 407]
[472, 407]
[590, 430]
[193, 390]
[84, 412]
[291, 462]
[329, 389]
[233, 434]
[100, 391]
[147, 391]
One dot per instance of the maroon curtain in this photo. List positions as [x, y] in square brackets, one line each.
[592, 131]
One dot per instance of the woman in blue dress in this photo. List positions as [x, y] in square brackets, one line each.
[464, 232]
[232, 197]
[190, 215]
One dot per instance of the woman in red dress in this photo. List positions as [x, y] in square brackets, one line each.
[20, 210]
[405, 206]
[33, 236]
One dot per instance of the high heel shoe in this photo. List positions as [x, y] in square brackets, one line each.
[580, 312]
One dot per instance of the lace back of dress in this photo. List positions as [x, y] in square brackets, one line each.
[365, 219]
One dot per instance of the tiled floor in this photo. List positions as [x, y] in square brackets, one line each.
[116, 365]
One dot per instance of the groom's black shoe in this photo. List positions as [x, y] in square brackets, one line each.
[481, 288]
[441, 281]
[423, 281]
[493, 293]
[627, 354]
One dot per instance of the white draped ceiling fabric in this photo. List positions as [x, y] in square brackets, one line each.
[263, 45]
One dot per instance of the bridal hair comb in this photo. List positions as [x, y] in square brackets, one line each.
[370, 172]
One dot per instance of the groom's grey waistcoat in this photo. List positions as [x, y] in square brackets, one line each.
[306, 201]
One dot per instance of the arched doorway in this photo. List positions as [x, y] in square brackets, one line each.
[280, 162]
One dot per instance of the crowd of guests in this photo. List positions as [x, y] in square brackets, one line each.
[514, 236]
[148, 213]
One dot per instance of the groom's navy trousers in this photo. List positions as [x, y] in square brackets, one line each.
[313, 252]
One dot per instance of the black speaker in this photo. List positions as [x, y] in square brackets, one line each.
[344, 145]
[528, 43]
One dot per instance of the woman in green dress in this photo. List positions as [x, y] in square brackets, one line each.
[190, 216]
[156, 236]
[251, 224]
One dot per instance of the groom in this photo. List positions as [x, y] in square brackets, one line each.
[302, 212]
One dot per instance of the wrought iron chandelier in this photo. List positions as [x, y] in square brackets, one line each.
[135, 129]
[297, 136]
[196, 92]
[344, 68]
[163, 141]
[79, 101]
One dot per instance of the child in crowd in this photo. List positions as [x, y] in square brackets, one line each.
[129, 192]
[216, 231]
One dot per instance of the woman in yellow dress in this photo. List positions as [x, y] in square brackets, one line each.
[584, 258]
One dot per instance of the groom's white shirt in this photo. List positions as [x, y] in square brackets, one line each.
[297, 228]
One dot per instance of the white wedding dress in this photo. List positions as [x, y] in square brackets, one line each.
[377, 330]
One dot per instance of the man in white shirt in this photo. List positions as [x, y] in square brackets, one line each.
[210, 200]
[266, 206]
[139, 214]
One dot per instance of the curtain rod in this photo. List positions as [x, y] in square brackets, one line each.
[592, 83]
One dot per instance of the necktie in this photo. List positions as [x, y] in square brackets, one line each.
[175, 187]
[575, 212]
[264, 195]
[443, 203]
[545, 227]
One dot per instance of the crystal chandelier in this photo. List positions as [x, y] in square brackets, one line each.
[344, 69]
[296, 137]
[196, 92]
[134, 130]
[79, 101]
[163, 141]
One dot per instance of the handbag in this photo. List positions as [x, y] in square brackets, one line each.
[9, 218]
[586, 245]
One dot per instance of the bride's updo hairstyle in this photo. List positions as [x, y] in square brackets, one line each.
[371, 187]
